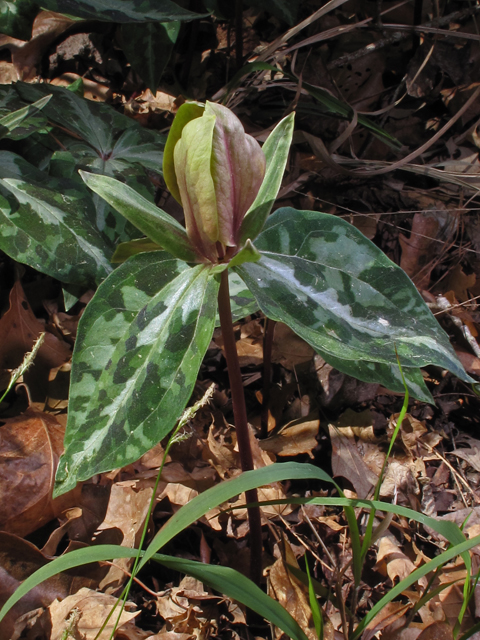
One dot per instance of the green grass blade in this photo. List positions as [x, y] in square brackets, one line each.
[236, 586]
[398, 589]
[316, 612]
[219, 494]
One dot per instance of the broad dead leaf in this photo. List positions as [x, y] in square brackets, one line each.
[188, 609]
[470, 453]
[46, 29]
[388, 620]
[30, 447]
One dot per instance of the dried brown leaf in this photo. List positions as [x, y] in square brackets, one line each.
[437, 631]
[417, 250]
[288, 349]
[290, 592]
[92, 609]
[126, 513]
[19, 328]
[348, 452]
[18, 560]
[30, 447]
[295, 438]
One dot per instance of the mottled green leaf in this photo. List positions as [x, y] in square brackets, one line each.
[155, 223]
[49, 224]
[148, 48]
[126, 250]
[247, 254]
[139, 347]
[102, 141]
[242, 302]
[388, 375]
[187, 111]
[16, 18]
[276, 150]
[10, 101]
[341, 294]
[13, 120]
[122, 10]
[101, 126]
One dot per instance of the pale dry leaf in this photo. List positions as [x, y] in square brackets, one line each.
[91, 90]
[19, 329]
[290, 592]
[188, 608]
[46, 29]
[411, 432]
[400, 481]
[171, 635]
[126, 512]
[8, 72]
[451, 598]
[93, 608]
[470, 453]
[295, 438]
[220, 451]
[392, 561]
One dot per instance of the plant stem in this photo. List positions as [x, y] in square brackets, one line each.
[241, 424]
[267, 374]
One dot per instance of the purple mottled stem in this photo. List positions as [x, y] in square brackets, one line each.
[241, 424]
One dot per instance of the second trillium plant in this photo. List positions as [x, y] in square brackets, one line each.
[143, 336]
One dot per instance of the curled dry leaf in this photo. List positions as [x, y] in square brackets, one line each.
[30, 447]
[188, 609]
[393, 561]
[388, 621]
[46, 29]
[92, 609]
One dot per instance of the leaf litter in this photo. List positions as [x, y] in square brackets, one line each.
[425, 219]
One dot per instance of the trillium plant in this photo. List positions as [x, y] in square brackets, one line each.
[144, 334]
